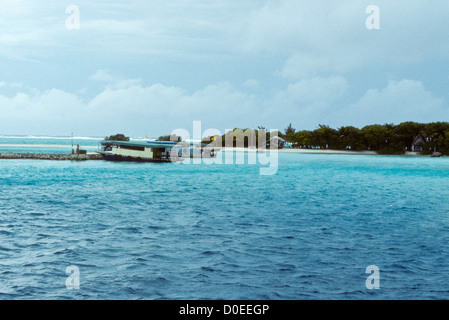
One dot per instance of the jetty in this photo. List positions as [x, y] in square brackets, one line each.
[50, 156]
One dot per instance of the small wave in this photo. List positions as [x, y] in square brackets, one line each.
[30, 265]
[64, 251]
[141, 260]
[155, 227]
[208, 269]
[51, 138]
[287, 267]
[37, 214]
[129, 229]
[210, 253]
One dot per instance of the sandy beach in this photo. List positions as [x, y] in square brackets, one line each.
[317, 151]
[303, 151]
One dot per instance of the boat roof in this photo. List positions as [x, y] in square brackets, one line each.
[146, 144]
[153, 144]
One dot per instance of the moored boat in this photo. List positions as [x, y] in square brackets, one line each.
[154, 151]
[148, 151]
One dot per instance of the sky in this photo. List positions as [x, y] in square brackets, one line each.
[148, 67]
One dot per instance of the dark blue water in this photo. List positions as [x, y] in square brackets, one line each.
[164, 231]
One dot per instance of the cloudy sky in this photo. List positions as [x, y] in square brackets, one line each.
[147, 67]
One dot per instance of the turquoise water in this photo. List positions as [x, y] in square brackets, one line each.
[43, 144]
[165, 231]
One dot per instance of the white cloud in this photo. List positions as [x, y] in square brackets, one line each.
[320, 28]
[300, 66]
[158, 109]
[227, 62]
[315, 90]
[137, 110]
[307, 102]
[330, 35]
[29, 29]
[52, 110]
[399, 101]
[251, 83]
[114, 81]
[102, 76]
[10, 85]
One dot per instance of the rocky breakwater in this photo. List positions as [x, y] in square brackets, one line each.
[46, 156]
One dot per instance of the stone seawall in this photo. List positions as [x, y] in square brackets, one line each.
[46, 156]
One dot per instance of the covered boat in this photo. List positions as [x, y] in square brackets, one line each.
[147, 151]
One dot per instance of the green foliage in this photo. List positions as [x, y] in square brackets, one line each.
[377, 136]
[243, 138]
[117, 137]
[384, 139]
[172, 137]
[325, 137]
[392, 149]
[351, 138]
[301, 139]
[290, 130]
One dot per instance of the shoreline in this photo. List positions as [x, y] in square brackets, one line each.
[223, 149]
[46, 156]
[317, 151]
[303, 151]
[58, 146]
[7, 155]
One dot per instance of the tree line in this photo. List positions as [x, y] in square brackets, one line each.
[384, 139]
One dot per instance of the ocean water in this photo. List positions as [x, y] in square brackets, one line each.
[46, 144]
[166, 231]
[51, 145]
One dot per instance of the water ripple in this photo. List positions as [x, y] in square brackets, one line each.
[224, 232]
